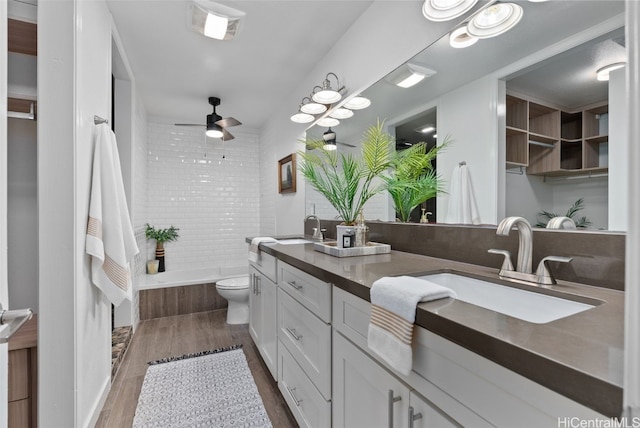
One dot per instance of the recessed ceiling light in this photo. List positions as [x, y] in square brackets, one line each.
[444, 10]
[495, 20]
[214, 20]
[460, 38]
[408, 75]
[603, 73]
[357, 103]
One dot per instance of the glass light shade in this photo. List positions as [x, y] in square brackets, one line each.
[341, 113]
[460, 38]
[313, 108]
[214, 133]
[216, 26]
[495, 20]
[445, 10]
[302, 118]
[330, 146]
[603, 73]
[328, 122]
[326, 96]
[357, 103]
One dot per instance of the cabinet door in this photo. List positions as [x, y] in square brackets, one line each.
[364, 394]
[255, 308]
[426, 414]
[269, 342]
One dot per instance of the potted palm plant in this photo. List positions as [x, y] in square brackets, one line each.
[345, 180]
[161, 236]
[412, 179]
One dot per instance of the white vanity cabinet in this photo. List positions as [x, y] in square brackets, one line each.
[262, 309]
[304, 345]
[462, 388]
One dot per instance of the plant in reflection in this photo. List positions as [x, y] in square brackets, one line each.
[412, 178]
[347, 181]
[581, 222]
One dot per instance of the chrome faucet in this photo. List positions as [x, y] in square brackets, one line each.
[523, 271]
[317, 233]
[561, 223]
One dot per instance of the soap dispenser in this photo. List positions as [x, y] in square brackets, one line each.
[361, 231]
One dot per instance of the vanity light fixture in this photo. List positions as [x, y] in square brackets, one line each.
[495, 20]
[409, 74]
[603, 73]
[328, 95]
[214, 20]
[460, 38]
[329, 138]
[311, 107]
[445, 10]
[357, 103]
[341, 113]
[328, 122]
[301, 117]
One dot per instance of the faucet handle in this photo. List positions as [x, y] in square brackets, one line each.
[544, 274]
[506, 264]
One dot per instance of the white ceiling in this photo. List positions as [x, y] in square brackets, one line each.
[177, 69]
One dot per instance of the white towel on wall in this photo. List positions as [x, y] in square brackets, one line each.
[110, 240]
[462, 207]
[254, 248]
[393, 313]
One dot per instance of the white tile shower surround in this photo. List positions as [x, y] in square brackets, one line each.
[215, 202]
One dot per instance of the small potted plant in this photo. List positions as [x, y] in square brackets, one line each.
[161, 236]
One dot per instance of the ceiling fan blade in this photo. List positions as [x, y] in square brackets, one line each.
[226, 135]
[345, 144]
[228, 122]
[188, 124]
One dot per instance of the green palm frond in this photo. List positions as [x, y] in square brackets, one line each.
[581, 223]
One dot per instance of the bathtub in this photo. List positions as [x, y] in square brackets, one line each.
[189, 277]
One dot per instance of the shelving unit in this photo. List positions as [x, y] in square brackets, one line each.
[552, 142]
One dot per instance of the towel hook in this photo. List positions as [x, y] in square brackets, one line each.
[97, 120]
[463, 163]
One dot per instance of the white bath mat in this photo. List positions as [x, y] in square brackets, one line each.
[211, 388]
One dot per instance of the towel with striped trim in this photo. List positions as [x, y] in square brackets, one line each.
[393, 313]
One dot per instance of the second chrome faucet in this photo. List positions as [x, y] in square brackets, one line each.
[523, 270]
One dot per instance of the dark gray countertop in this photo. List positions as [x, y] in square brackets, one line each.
[580, 356]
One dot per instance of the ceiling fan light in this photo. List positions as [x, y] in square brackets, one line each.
[495, 20]
[214, 131]
[445, 10]
[460, 38]
[341, 113]
[328, 122]
[603, 73]
[330, 146]
[302, 118]
[357, 103]
[313, 108]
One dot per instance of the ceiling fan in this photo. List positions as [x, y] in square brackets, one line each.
[330, 142]
[216, 125]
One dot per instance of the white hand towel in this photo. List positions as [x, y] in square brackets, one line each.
[254, 248]
[393, 313]
[110, 240]
[462, 207]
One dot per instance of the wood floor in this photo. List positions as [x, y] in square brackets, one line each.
[183, 334]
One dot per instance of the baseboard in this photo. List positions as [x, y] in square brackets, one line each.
[94, 415]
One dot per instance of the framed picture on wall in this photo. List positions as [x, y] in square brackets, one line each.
[287, 174]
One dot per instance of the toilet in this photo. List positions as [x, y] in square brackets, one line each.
[236, 291]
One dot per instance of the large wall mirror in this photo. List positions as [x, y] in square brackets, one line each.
[547, 62]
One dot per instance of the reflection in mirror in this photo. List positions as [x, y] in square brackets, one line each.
[469, 89]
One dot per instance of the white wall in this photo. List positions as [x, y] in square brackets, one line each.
[74, 80]
[469, 116]
[392, 30]
[4, 295]
[215, 202]
[22, 213]
[619, 151]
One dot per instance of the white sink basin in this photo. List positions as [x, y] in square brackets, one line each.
[293, 241]
[525, 305]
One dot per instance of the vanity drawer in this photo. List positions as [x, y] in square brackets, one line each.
[351, 316]
[306, 403]
[308, 339]
[313, 293]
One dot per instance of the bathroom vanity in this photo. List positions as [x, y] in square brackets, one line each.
[472, 366]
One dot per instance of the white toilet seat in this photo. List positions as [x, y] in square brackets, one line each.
[235, 283]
